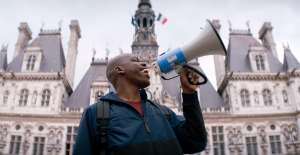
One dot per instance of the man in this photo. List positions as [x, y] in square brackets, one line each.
[136, 125]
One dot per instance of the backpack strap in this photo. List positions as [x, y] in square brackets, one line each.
[102, 125]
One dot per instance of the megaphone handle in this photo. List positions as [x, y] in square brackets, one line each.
[199, 73]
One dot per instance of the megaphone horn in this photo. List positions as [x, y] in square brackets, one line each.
[207, 43]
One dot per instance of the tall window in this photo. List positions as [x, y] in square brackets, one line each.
[30, 62]
[38, 145]
[218, 140]
[260, 64]
[23, 97]
[251, 144]
[275, 144]
[71, 137]
[46, 97]
[245, 99]
[267, 96]
[256, 97]
[285, 96]
[5, 97]
[15, 144]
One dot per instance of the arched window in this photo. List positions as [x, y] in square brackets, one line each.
[144, 22]
[267, 96]
[46, 97]
[139, 22]
[30, 62]
[285, 96]
[151, 22]
[260, 64]
[245, 99]
[23, 97]
[5, 97]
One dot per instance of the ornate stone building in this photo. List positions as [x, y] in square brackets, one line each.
[254, 111]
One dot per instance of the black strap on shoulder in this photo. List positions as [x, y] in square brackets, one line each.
[163, 109]
[102, 124]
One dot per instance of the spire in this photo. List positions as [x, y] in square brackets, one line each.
[289, 62]
[144, 44]
[3, 57]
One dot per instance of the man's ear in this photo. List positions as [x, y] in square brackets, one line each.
[119, 70]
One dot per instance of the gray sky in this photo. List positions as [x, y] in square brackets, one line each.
[106, 23]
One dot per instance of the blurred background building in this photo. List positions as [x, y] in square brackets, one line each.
[256, 106]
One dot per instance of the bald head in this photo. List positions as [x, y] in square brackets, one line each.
[113, 64]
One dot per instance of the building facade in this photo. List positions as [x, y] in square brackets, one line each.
[254, 111]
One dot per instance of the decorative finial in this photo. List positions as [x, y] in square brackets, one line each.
[94, 53]
[107, 53]
[60, 24]
[230, 25]
[248, 25]
[42, 26]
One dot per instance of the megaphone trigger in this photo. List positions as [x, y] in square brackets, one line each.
[194, 76]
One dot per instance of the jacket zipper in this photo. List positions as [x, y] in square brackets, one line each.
[146, 125]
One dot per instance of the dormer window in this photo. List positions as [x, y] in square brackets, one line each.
[30, 63]
[260, 63]
[32, 59]
[258, 57]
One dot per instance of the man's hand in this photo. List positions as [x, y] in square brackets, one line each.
[185, 85]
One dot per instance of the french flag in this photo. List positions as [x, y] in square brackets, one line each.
[161, 19]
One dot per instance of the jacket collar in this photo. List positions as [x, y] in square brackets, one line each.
[112, 96]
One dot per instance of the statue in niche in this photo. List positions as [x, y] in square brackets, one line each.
[262, 134]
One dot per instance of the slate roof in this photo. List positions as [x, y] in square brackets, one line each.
[53, 59]
[290, 62]
[80, 98]
[237, 57]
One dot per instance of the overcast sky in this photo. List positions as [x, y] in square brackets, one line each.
[107, 23]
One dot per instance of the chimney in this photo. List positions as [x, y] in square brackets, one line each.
[75, 35]
[23, 38]
[266, 36]
[218, 59]
[3, 58]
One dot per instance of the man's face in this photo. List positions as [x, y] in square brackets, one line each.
[136, 71]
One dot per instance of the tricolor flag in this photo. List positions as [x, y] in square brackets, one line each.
[133, 21]
[161, 19]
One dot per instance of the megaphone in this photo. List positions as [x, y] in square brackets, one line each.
[208, 42]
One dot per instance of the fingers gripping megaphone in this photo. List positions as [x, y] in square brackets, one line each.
[208, 42]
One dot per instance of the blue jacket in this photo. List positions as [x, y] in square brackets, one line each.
[154, 134]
